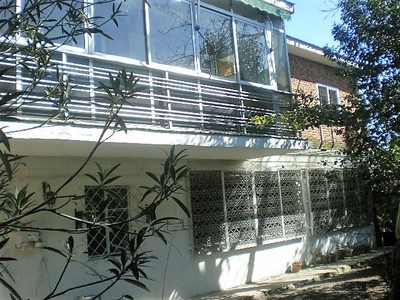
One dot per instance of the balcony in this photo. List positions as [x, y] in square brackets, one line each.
[168, 103]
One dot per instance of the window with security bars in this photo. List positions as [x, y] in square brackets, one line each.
[239, 209]
[337, 200]
[102, 206]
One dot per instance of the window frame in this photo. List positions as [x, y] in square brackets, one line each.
[107, 231]
[322, 200]
[89, 46]
[231, 219]
[329, 89]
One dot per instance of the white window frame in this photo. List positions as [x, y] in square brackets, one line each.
[108, 251]
[328, 90]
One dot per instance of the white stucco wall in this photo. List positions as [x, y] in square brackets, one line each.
[178, 273]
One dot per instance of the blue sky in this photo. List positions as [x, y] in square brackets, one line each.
[312, 21]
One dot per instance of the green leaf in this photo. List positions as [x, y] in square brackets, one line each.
[154, 177]
[132, 246]
[110, 180]
[120, 122]
[7, 259]
[115, 262]
[182, 206]
[59, 252]
[5, 140]
[10, 288]
[123, 258]
[3, 242]
[70, 244]
[161, 236]
[92, 177]
[6, 163]
[136, 283]
[135, 270]
[114, 271]
[10, 96]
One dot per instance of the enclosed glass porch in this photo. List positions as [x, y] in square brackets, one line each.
[168, 100]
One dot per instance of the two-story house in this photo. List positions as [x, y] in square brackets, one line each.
[258, 198]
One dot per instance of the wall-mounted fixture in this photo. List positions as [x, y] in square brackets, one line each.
[25, 240]
[48, 195]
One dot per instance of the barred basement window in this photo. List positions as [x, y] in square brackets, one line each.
[100, 206]
[239, 209]
[338, 200]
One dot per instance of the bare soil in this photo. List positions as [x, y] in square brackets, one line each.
[368, 281]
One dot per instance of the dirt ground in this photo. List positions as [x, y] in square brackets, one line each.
[369, 281]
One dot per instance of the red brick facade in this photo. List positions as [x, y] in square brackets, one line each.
[305, 74]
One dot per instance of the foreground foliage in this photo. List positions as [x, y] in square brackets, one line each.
[368, 55]
[34, 34]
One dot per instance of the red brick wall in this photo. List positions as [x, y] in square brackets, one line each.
[305, 75]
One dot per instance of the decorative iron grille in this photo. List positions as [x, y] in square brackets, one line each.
[292, 203]
[269, 208]
[317, 183]
[207, 211]
[358, 203]
[240, 209]
[101, 207]
[237, 209]
[337, 200]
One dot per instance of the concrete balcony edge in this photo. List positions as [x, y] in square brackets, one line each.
[74, 140]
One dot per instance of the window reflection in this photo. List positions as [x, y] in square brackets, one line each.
[57, 24]
[216, 46]
[253, 59]
[171, 40]
[128, 39]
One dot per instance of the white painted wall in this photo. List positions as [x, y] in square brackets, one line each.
[178, 273]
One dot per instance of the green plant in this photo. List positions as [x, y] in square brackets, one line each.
[34, 35]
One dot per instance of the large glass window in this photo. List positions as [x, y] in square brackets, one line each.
[128, 39]
[216, 45]
[57, 24]
[253, 53]
[171, 39]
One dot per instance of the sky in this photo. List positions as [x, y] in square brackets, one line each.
[312, 21]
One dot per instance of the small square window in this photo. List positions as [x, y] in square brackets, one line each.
[101, 207]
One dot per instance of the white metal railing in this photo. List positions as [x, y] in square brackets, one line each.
[168, 100]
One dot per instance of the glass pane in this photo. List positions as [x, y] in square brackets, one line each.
[323, 95]
[333, 97]
[171, 40]
[58, 24]
[97, 243]
[128, 38]
[216, 46]
[6, 14]
[253, 59]
[224, 4]
[281, 61]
